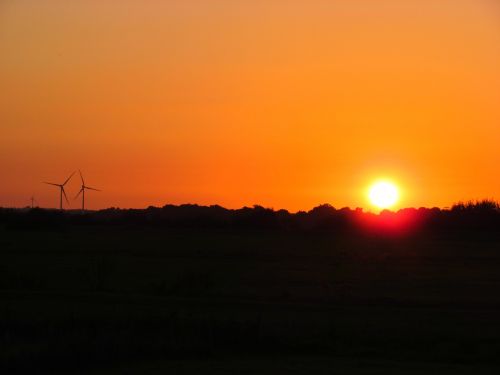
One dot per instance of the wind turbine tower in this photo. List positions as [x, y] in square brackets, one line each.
[82, 190]
[61, 190]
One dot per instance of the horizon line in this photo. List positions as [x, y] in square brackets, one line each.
[362, 209]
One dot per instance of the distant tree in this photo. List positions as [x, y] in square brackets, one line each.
[483, 205]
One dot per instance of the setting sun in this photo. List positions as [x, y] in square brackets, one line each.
[383, 194]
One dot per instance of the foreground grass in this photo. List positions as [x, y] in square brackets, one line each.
[134, 300]
[293, 366]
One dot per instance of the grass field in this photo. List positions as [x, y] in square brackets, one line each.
[100, 299]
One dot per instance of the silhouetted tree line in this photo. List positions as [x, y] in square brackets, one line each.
[462, 218]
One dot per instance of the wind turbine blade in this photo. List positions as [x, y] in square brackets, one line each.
[81, 176]
[50, 183]
[90, 188]
[64, 193]
[65, 182]
[79, 193]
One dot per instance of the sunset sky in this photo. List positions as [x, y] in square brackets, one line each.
[286, 104]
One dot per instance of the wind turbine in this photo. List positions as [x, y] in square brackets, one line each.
[33, 200]
[82, 190]
[62, 192]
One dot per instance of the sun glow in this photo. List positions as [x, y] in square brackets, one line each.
[383, 194]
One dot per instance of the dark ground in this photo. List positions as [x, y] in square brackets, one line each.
[123, 298]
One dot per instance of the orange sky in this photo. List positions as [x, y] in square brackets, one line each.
[287, 104]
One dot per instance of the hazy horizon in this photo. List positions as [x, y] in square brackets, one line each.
[336, 207]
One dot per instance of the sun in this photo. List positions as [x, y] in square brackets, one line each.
[383, 194]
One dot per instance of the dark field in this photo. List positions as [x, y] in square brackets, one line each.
[125, 297]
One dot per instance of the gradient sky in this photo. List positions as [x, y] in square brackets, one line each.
[287, 104]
